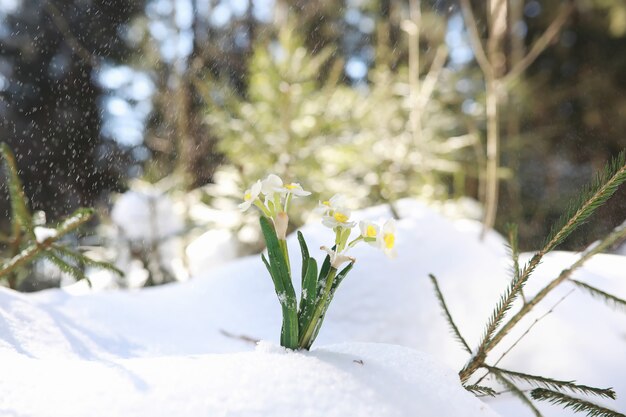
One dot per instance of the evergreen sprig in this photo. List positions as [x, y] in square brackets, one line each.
[20, 215]
[555, 384]
[444, 307]
[24, 247]
[610, 299]
[592, 197]
[575, 404]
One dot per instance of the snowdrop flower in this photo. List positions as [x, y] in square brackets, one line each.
[271, 185]
[294, 189]
[326, 207]
[369, 232]
[250, 196]
[338, 217]
[387, 239]
[336, 258]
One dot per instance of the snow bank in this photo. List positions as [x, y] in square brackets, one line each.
[385, 301]
[357, 380]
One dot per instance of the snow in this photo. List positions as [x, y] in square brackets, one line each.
[146, 215]
[341, 380]
[44, 233]
[181, 340]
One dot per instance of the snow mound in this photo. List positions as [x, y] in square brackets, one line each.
[357, 380]
[382, 301]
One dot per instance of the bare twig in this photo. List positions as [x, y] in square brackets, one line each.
[540, 45]
[243, 337]
[477, 46]
[73, 42]
[537, 320]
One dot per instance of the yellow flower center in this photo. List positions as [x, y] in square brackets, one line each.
[291, 186]
[247, 196]
[326, 203]
[370, 231]
[340, 217]
[390, 240]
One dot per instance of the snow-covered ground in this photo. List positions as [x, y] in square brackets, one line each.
[176, 347]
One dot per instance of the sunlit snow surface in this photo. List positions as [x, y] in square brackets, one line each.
[163, 351]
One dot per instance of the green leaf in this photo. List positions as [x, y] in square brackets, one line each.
[575, 404]
[282, 282]
[339, 278]
[444, 307]
[19, 203]
[309, 295]
[305, 255]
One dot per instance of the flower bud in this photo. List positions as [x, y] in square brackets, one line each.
[280, 223]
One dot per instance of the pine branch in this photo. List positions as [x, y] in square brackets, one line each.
[517, 392]
[19, 208]
[32, 251]
[79, 258]
[444, 307]
[555, 384]
[609, 299]
[575, 404]
[589, 200]
[480, 390]
[64, 266]
[593, 196]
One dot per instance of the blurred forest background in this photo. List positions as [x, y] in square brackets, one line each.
[515, 103]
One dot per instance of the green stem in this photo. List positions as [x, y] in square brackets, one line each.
[283, 246]
[308, 336]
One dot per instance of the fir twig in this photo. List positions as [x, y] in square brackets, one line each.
[79, 258]
[444, 307]
[19, 209]
[66, 267]
[576, 404]
[32, 251]
[554, 384]
[592, 197]
[480, 390]
[514, 389]
[609, 299]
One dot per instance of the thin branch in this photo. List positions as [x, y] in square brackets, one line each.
[537, 320]
[243, 337]
[72, 41]
[477, 46]
[428, 85]
[541, 44]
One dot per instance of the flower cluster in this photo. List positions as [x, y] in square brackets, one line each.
[336, 216]
[303, 318]
[273, 197]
